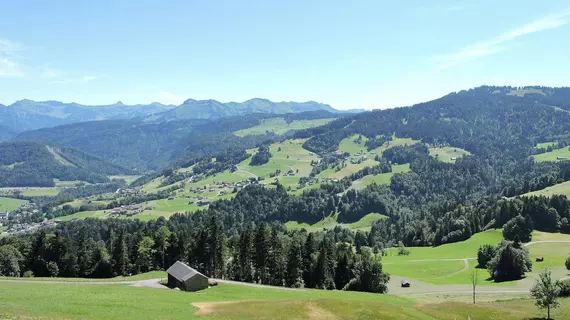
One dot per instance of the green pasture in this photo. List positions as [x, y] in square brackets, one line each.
[553, 155]
[280, 126]
[10, 204]
[394, 143]
[364, 224]
[561, 188]
[127, 178]
[351, 146]
[229, 301]
[523, 92]
[457, 250]
[383, 178]
[545, 145]
[141, 276]
[34, 191]
[285, 156]
[347, 170]
[446, 154]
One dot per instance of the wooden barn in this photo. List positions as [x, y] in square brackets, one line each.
[185, 278]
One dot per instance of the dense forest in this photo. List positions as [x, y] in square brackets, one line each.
[144, 144]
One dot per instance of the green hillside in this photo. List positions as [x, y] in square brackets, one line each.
[9, 204]
[280, 126]
[230, 301]
[557, 189]
[364, 224]
[555, 155]
[25, 164]
[448, 154]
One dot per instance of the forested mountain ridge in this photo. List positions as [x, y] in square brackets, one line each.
[467, 119]
[25, 164]
[212, 109]
[145, 145]
[29, 115]
[6, 133]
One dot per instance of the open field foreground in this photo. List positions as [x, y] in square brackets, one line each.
[232, 301]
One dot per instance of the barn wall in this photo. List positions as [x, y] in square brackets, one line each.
[196, 283]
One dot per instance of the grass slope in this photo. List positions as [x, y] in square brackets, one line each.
[364, 224]
[446, 154]
[9, 204]
[142, 276]
[280, 126]
[552, 155]
[561, 188]
[445, 265]
[65, 301]
[34, 191]
[383, 178]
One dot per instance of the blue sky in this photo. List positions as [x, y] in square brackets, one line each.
[350, 54]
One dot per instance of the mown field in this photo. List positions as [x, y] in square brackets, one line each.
[561, 188]
[383, 178]
[553, 155]
[448, 154]
[363, 224]
[452, 263]
[10, 204]
[280, 126]
[34, 191]
[228, 301]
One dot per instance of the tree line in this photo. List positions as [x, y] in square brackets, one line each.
[265, 254]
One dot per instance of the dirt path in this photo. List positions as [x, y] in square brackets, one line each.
[546, 241]
[316, 313]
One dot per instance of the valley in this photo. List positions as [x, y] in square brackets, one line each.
[384, 213]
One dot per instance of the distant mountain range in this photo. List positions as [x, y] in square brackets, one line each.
[27, 115]
[212, 109]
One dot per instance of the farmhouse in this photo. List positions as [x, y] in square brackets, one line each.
[203, 202]
[185, 278]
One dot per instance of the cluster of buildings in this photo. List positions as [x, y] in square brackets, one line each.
[22, 228]
[128, 191]
[128, 211]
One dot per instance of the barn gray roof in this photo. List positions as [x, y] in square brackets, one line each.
[182, 271]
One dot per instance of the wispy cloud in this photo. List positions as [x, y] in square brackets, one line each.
[57, 76]
[500, 42]
[170, 98]
[9, 67]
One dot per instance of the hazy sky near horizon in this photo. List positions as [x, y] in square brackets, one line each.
[349, 54]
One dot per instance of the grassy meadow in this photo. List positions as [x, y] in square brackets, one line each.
[34, 191]
[10, 204]
[448, 154]
[364, 224]
[561, 188]
[383, 178]
[553, 155]
[229, 301]
[280, 126]
[459, 259]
